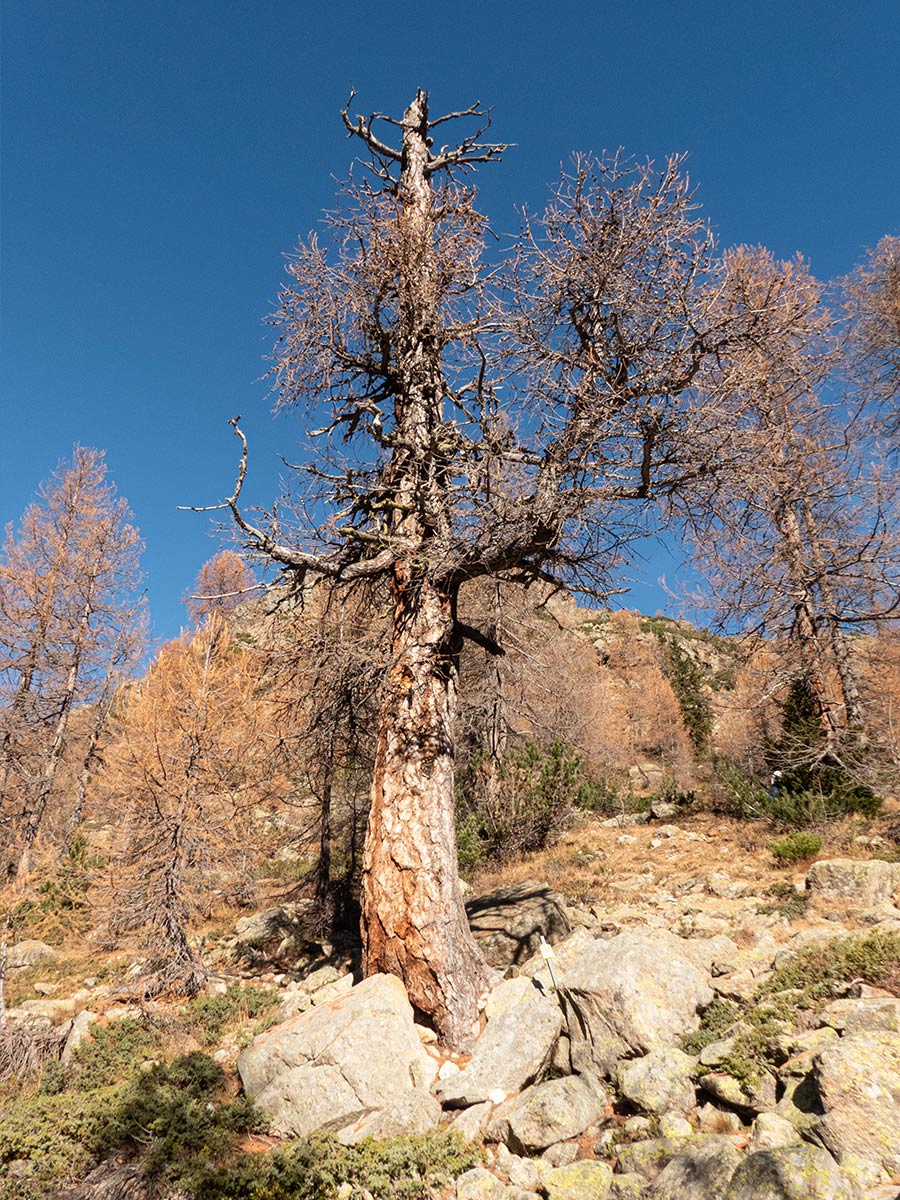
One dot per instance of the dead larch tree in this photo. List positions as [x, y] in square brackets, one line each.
[475, 422]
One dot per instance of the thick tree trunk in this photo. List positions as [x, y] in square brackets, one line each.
[414, 920]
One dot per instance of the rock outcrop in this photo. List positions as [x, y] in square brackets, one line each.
[354, 1067]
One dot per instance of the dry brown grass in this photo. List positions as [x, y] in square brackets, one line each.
[595, 863]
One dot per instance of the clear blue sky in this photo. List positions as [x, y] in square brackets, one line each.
[159, 159]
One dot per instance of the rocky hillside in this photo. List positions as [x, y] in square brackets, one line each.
[720, 1017]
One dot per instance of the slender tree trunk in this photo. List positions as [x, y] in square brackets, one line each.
[57, 746]
[414, 920]
[840, 645]
[323, 866]
[805, 633]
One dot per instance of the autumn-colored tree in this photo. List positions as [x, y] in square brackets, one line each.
[190, 757]
[792, 535]
[70, 621]
[325, 660]
[872, 305]
[463, 436]
[222, 584]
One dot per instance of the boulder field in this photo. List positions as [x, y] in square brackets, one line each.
[607, 1079]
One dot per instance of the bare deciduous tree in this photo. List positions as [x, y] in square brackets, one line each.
[793, 535]
[872, 303]
[475, 425]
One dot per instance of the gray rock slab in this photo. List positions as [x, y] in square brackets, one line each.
[547, 1113]
[881, 1014]
[858, 1082]
[479, 1184]
[700, 1172]
[584, 1180]
[659, 1082]
[626, 1187]
[628, 995]
[648, 1158]
[28, 953]
[272, 924]
[801, 1172]
[508, 923]
[78, 1033]
[413, 1111]
[511, 1052]
[771, 1132]
[338, 1063]
[756, 1096]
[867, 883]
[470, 1123]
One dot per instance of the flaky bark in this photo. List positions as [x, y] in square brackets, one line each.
[414, 920]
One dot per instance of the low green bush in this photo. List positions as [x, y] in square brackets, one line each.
[807, 980]
[830, 797]
[796, 847]
[785, 901]
[755, 1048]
[822, 972]
[403, 1168]
[715, 1021]
[113, 1052]
[176, 1117]
[524, 803]
[52, 1140]
[211, 1015]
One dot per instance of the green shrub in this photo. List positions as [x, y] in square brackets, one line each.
[689, 683]
[471, 851]
[403, 1168]
[796, 847]
[805, 981]
[178, 1116]
[715, 1021]
[522, 804]
[813, 784]
[755, 1049]
[114, 1052]
[55, 1139]
[832, 796]
[210, 1015]
[822, 972]
[786, 902]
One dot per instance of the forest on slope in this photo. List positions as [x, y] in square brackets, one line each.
[482, 436]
